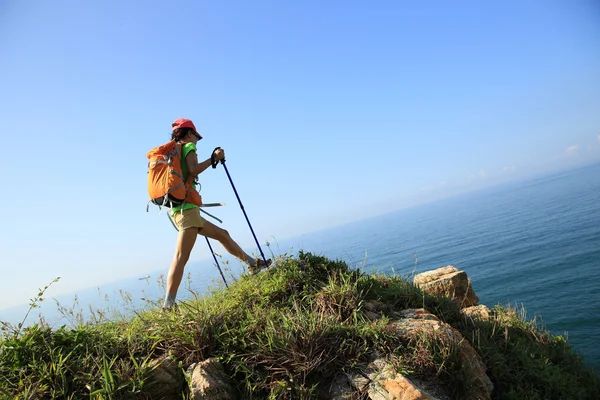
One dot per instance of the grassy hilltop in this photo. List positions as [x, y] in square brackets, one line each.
[287, 333]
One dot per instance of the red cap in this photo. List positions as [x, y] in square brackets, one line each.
[184, 123]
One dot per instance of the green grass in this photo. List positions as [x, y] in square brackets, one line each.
[284, 334]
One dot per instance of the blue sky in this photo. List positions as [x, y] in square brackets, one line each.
[329, 112]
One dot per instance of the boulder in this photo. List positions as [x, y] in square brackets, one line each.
[389, 385]
[418, 322]
[379, 381]
[209, 381]
[450, 282]
[480, 312]
[165, 380]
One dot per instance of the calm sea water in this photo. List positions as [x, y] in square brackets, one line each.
[532, 244]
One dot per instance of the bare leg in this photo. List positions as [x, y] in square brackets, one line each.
[183, 249]
[214, 232]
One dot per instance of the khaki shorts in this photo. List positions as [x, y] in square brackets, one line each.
[190, 218]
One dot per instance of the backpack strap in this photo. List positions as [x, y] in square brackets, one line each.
[210, 215]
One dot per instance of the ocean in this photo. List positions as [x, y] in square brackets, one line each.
[532, 244]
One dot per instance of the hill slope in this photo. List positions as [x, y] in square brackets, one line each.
[308, 328]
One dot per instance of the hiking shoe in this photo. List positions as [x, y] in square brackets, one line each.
[173, 308]
[260, 264]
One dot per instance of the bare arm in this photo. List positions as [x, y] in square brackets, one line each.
[197, 168]
[194, 167]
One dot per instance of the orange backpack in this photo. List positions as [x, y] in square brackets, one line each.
[166, 186]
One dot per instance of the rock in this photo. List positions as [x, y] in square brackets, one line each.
[379, 381]
[420, 322]
[165, 380]
[416, 313]
[481, 312]
[374, 306]
[373, 309]
[389, 385]
[341, 388]
[359, 381]
[403, 389]
[209, 381]
[450, 282]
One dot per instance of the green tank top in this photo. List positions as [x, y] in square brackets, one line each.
[185, 150]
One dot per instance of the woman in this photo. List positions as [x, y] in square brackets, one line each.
[188, 218]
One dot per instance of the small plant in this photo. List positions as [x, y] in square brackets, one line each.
[33, 303]
[416, 258]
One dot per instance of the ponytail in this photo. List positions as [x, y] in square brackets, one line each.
[180, 133]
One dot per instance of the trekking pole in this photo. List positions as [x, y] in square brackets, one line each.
[214, 165]
[215, 257]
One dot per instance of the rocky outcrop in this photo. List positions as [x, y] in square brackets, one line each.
[378, 379]
[419, 323]
[448, 281]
